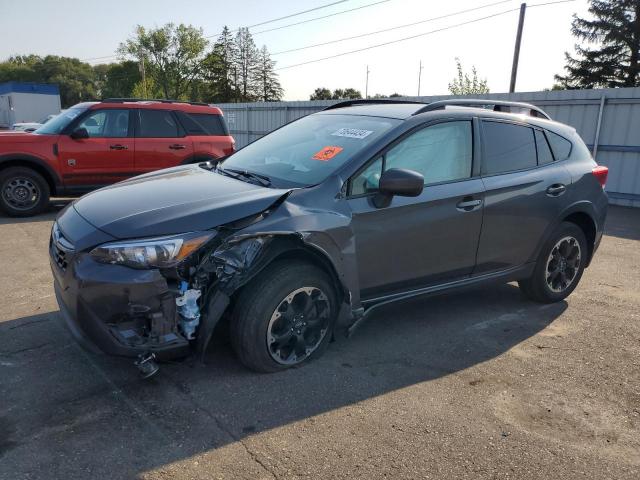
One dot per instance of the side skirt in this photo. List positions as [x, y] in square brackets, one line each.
[503, 276]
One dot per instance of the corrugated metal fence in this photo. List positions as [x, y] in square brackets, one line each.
[608, 118]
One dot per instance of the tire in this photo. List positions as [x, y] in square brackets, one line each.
[259, 333]
[554, 279]
[23, 192]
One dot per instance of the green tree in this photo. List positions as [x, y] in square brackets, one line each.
[268, 85]
[338, 94]
[321, 94]
[173, 56]
[218, 68]
[349, 93]
[465, 84]
[245, 66]
[75, 79]
[117, 80]
[614, 61]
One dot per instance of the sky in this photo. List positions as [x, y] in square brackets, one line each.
[90, 29]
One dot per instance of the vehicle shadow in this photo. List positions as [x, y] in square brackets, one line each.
[58, 402]
[50, 213]
[623, 222]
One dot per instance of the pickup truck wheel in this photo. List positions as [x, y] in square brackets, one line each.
[284, 317]
[559, 266]
[23, 192]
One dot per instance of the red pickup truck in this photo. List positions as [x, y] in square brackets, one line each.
[94, 144]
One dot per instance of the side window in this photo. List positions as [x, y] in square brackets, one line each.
[208, 124]
[157, 124]
[110, 123]
[544, 152]
[441, 152]
[507, 147]
[560, 146]
[368, 179]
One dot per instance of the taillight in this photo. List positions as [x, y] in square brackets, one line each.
[231, 149]
[601, 173]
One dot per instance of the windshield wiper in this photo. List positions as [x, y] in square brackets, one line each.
[261, 179]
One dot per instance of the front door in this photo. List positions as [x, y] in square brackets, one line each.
[160, 141]
[427, 239]
[105, 157]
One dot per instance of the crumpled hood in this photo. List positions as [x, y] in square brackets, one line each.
[176, 200]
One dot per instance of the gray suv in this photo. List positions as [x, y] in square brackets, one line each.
[320, 222]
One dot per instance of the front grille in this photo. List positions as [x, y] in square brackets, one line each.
[59, 247]
[60, 257]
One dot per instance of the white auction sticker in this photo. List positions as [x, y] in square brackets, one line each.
[352, 133]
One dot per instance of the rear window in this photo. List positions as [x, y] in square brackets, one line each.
[544, 152]
[507, 147]
[203, 124]
[560, 146]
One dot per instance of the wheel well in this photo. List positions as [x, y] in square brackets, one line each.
[308, 255]
[588, 227]
[33, 166]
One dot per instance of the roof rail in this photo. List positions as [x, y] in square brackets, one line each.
[369, 101]
[160, 100]
[498, 106]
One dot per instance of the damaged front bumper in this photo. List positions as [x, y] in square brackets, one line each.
[112, 308]
[117, 310]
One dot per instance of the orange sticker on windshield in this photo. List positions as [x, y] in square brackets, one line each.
[327, 153]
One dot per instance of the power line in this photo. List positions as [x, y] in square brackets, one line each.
[321, 18]
[298, 13]
[344, 39]
[549, 3]
[320, 7]
[419, 35]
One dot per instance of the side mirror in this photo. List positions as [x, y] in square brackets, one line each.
[398, 181]
[79, 134]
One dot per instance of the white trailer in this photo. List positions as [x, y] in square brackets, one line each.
[27, 102]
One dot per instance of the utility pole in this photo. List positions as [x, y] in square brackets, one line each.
[366, 85]
[419, 76]
[516, 51]
[142, 73]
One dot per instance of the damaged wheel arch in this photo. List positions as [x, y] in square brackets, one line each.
[240, 259]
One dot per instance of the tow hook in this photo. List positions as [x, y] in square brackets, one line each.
[146, 364]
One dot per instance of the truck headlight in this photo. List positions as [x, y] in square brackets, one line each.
[161, 252]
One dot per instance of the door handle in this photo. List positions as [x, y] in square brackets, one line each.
[118, 147]
[468, 204]
[177, 146]
[556, 190]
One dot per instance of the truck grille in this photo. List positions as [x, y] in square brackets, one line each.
[59, 247]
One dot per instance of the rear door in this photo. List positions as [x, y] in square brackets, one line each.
[161, 142]
[426, 239]
[524, 193]
[106, 157]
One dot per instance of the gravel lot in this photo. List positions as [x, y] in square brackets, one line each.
[480, 384]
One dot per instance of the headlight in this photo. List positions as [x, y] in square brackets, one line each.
[159, 252]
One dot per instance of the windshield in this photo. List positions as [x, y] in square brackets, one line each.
[307, 151]
[57, 124]
[48, 117]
